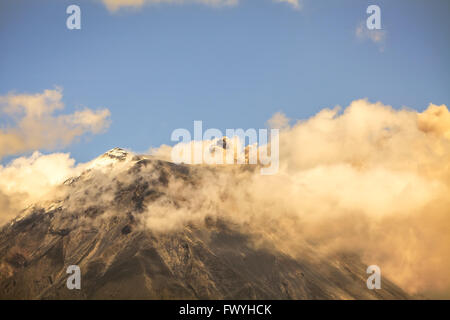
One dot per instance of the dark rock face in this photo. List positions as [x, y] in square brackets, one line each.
[120, 259]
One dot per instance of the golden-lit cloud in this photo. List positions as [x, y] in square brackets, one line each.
[29, 180]
[278, 121]
[30, 122]
[366, 179]
[435, 119]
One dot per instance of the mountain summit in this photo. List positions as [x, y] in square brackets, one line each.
[132, 225]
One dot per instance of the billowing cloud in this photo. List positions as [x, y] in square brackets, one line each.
[367, 179]
[30, 123]
[29, 180]
[435, 119]
[114, 5]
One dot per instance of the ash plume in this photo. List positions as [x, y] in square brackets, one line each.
[367, 180]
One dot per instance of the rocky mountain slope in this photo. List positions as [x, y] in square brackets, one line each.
[97, 223]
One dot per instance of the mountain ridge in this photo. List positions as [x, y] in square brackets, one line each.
[98, 225]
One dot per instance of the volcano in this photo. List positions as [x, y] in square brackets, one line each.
[97, 221]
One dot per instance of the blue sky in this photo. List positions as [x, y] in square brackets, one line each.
[159, 67]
